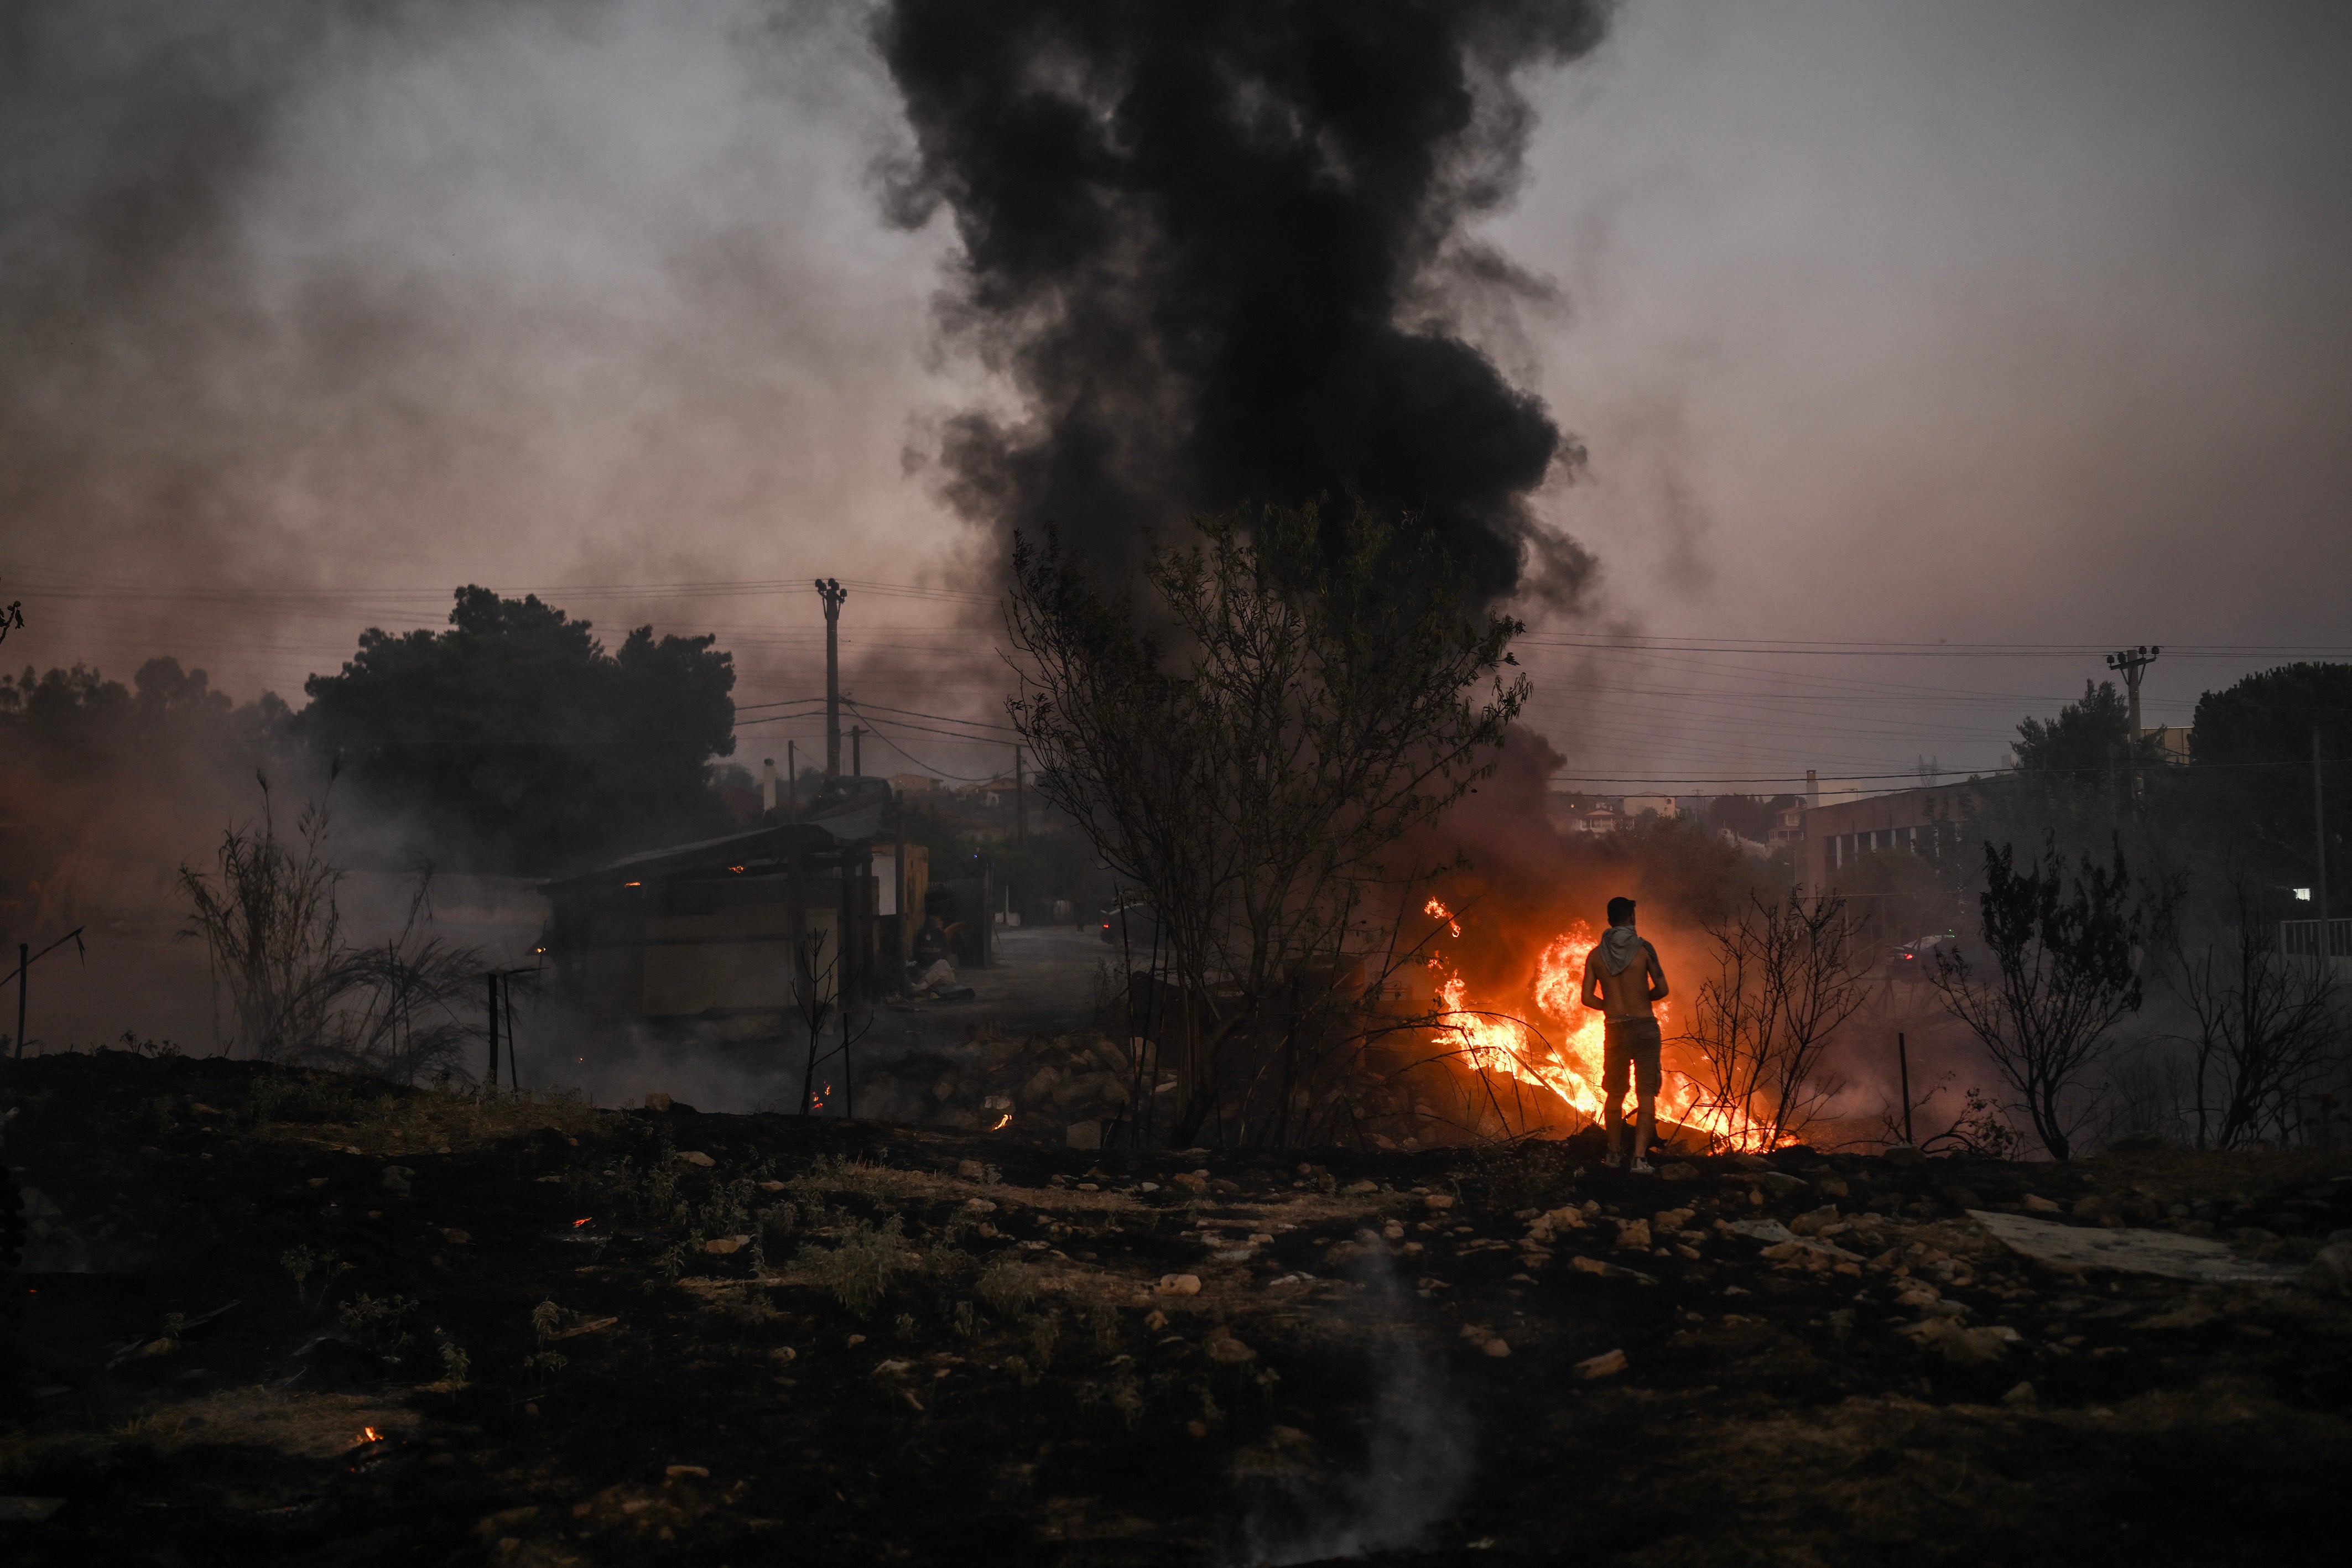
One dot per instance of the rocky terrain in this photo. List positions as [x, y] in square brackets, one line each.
[265, 1316]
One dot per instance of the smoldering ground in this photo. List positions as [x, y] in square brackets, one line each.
[1420, 1450]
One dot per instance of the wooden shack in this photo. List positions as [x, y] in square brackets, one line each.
[741, 931]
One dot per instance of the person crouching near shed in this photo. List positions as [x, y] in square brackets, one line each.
[1622, 980]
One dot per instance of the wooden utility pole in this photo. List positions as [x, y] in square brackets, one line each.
[490, 983]
[2131, 663]
[1903, 1061]
[833, 593]
[1020, 802]
[791, 777]
[25, 959]
[856, 752]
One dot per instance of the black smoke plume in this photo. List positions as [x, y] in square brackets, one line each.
[1211, 244]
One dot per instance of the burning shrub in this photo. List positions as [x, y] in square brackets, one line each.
[858, 1268]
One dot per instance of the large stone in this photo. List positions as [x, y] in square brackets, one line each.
[1634, 1233]
[1083, 1135]
[1608, 1364]
[2075, 1248]
[2331, 1269]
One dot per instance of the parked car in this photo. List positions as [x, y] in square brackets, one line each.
[1132, 923]
[1916, 960]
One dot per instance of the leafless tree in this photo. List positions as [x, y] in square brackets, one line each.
[1785, 980]
[2065, 972]
[1292, 702]
[2268, 1026]
[302, 993]
[816, 990]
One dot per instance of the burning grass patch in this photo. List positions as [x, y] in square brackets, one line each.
[298, 1426]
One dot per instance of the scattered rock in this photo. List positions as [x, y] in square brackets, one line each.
[695, 1157]
[2331, 1269]
[1678, 1172]
[722, 1244]
[658, 1102]
[1634, 1233]
[771, 1185]
[1830, 1186]
[396, 1180]
[1437, 1200]
[1962, 1346]
[679, 1472]
[1769, 1231]
[1903, 1155]
[2037, 1203]
[1811, 1221]
[455, 1237]
[1780, 1183]
[1498, 1347]
[2022, 1395]
[1179, 1284]
[493, 1526]
[2073, 1248]
[1608, 1364]
[1224, 1348]
[1083, 1135]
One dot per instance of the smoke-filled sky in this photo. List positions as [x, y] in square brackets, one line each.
[2021, 325]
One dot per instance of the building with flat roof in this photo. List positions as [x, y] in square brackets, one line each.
[1931, 821]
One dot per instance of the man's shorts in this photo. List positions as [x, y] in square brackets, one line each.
[1629, 1043]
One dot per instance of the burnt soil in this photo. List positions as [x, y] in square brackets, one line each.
[523, 1302]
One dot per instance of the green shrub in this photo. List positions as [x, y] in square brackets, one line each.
[858, 1268]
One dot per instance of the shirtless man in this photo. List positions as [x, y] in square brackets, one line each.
[1623, 979]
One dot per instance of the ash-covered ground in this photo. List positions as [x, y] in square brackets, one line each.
[271, 1317]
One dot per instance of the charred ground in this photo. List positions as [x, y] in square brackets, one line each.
[689, 1375]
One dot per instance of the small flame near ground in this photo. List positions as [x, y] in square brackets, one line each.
[1568, 1062]
[578, 1223]
[368, 1435]
[1000, 1123]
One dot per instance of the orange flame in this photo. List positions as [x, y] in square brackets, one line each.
[1438, 911]
[578, 1223]
[1569, 1063]
[367, 1434]
[999, 1125]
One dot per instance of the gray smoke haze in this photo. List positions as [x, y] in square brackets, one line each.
[2020, 320]
[337, 299]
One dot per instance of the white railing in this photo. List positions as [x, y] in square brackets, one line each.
[2316, 938]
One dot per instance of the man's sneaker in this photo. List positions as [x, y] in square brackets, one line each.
[1643, 1167]
[1611, 1160]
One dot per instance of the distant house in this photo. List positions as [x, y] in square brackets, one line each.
[913, 783]
[1788, 828]
[2170, 742]
[1636, 806]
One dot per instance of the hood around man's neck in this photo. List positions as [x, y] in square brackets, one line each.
[1618, 948]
